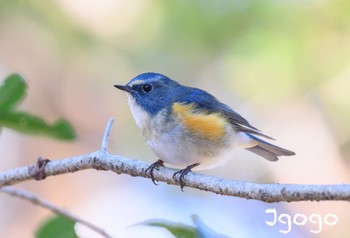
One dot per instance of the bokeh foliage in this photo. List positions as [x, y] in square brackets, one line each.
[12, 93]
[57, 227]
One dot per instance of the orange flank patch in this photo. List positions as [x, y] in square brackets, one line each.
[211, 126]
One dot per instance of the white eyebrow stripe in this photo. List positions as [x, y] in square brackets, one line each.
[136, 82]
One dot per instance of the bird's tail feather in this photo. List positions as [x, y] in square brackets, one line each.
[268, 151]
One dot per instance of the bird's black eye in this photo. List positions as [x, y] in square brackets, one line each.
[147, 88]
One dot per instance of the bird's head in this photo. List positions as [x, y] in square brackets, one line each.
[152, 92]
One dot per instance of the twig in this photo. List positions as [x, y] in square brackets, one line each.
[106, 135]
[102, 160]
[59, 211]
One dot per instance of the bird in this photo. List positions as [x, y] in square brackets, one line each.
[188, 127]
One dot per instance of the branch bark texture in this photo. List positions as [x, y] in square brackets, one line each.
[102, 160]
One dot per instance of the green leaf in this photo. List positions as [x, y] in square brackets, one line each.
[179, 230]
[26, 123]
[204, 231]
[12, 91]
[57, 227]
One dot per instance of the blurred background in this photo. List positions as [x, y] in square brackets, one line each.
[284, 65]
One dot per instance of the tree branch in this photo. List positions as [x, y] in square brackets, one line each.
[59, 211]
[102, 160]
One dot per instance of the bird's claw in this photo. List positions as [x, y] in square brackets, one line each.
[152, 167]
[182, 173]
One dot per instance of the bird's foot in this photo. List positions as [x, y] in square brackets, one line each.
[152, 167]
[182, 173]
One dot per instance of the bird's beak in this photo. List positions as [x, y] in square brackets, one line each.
[123, 88]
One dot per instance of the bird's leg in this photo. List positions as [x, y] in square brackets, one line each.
[183, 173]
[152, 167]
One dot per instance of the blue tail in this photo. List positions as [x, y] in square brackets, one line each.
[268, 151]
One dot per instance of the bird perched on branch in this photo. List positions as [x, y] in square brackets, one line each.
[188, 127]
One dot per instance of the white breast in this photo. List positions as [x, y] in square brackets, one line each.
[142, 118]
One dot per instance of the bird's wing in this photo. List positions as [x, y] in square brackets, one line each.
[205, 102]
[240, 123]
